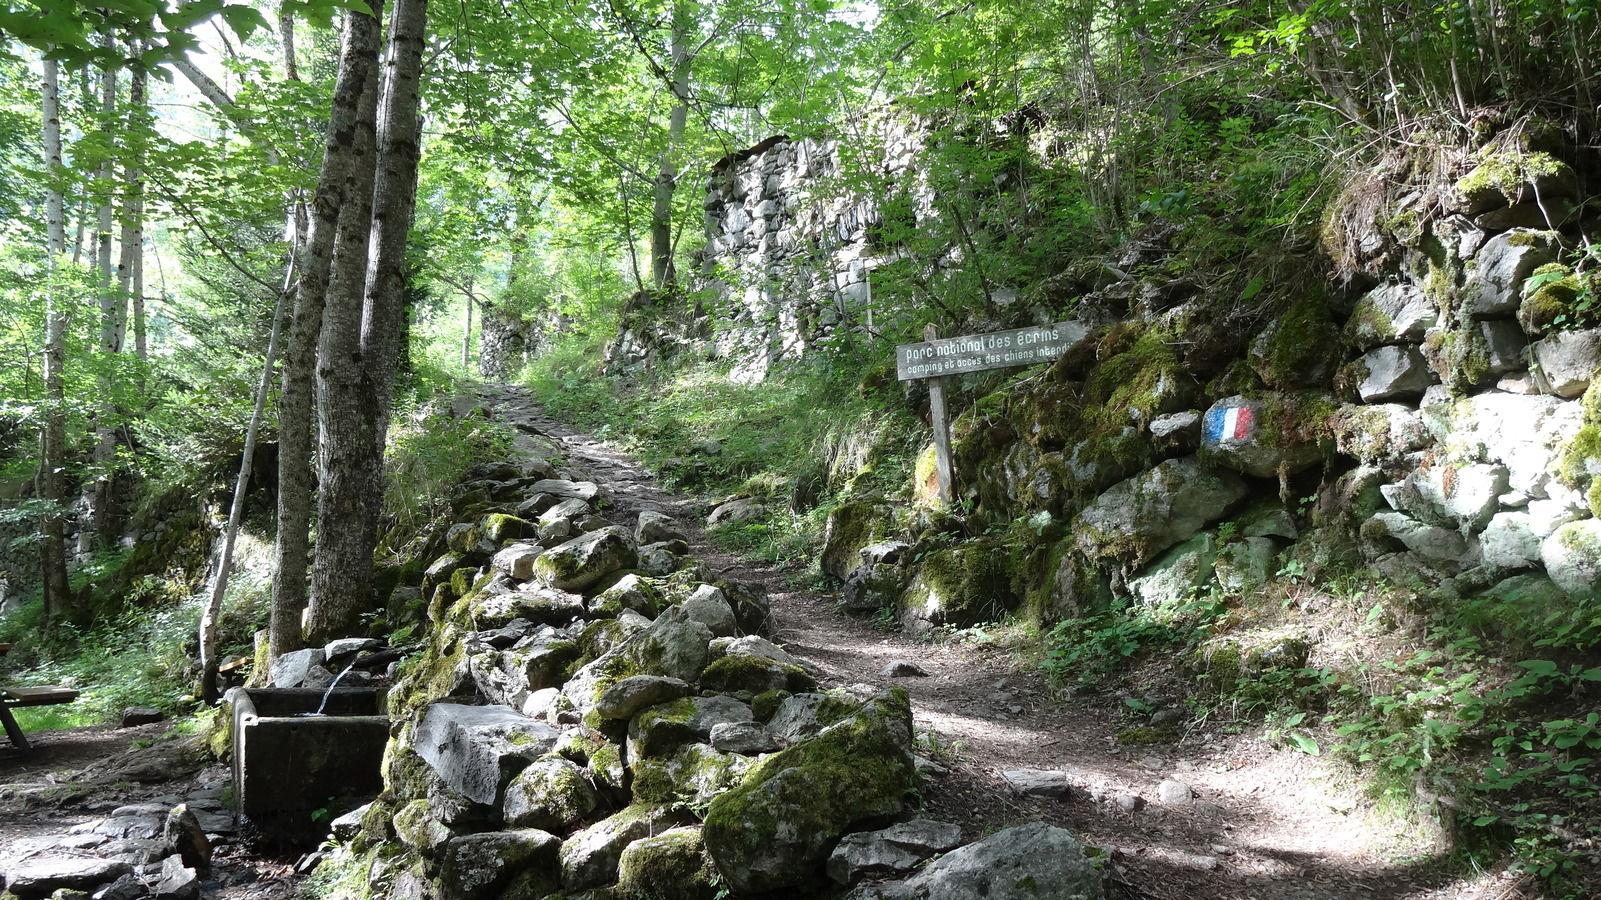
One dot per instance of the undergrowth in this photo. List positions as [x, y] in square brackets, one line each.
[1434, 715]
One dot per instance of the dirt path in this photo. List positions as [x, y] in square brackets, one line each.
[1260, 822]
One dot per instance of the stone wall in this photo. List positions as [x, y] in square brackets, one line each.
[790, 247]
[507, 339]
[1434, 426]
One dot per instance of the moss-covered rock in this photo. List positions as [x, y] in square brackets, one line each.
[755, 674]
[850, 527]
[500, 527]
[589, 858]
[1299, 349]
[479, 866]
[586, 559]
[551, 794]
[962, 585]
[673, 865]
[773, 832]
[693, 774]
[1507, 177]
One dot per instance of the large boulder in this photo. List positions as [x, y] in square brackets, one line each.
[1523, 433]
[896, 849]
[692, 775]
[537, 605]
[480, 866]
[586, 491]
[1276, 435]
[552, 794]
[1392, 313]
[1138, 518]
[589, 858]
[586, 559]
[774, 831]
[1572, 556]
[42, 875]
[1494, 287]
[478, 750]
[852, 527]
[1028, 862]
[961, 585]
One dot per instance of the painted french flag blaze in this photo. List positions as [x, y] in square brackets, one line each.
[1229, 423]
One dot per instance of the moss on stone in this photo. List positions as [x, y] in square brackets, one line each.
[962, 585]
[766, 703]
[673, 865]
[1500, 178]
[1146, 735]
[1299, 347]
[794, 804]
[500, 527]
[756, 674]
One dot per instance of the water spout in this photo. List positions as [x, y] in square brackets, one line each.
[328, 693]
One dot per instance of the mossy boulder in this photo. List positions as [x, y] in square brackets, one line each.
[852, 526]
[774, 831]
[500, 527]
[1397, 312]
[1553, 301]
[672, 646]
[478, 866]
[1177, 575]
[586, 559]
[1378, 434]
[1572, 556]
[673, 865]
[440, 570]
[1506, 177]
[961, 585]
[659, 729]
[1137, 519]
[756, 674]
[1298, 349]
[589, 858]
[628, 592]
[551, 794]
[693, 774]
[541, 606]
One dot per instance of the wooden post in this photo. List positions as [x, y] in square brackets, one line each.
[942, 429]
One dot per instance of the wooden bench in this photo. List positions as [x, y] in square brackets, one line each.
[18, 697]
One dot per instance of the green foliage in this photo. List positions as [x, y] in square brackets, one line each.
[1085, 650]
[133, 658]
[429, 453]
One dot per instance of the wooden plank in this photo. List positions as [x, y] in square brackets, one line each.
[942, 431]
[43, 695]
[976, 352]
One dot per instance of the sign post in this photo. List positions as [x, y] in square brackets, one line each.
[936, 357]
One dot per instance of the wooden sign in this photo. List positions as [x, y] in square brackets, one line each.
[937, 357]
[977, 352]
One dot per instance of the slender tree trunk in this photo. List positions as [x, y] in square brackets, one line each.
[98, 489]
[357, 68]
[130, 265]
[467, 333]
[286, 36]
[357, 393]
[236, 512]
[53, 436]
[661, 211]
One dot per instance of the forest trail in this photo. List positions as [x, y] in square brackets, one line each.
[1255, 822]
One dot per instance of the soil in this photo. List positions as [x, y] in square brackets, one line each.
[1261, 822]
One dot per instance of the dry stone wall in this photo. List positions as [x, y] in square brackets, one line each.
[1438, 428]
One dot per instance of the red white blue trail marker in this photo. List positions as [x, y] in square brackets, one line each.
[1229, 423]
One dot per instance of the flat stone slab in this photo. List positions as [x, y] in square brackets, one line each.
[478, 750]
[41, 876]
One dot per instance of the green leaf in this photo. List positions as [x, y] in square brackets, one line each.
[243, 20]
[1539, 667]
[1304, 744]
[1481, 821]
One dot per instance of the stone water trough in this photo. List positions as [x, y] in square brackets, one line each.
[293, 770]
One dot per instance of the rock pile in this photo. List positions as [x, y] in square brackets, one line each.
[596, 715]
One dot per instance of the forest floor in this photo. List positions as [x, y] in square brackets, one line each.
[1256, 821]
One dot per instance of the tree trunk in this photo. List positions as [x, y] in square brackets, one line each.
[467, 333]
[341, 403]
[53, 436]
[130, 266]
[661, 211]
[97, 490]
[356, 391]
[357, 68]
[236, 512]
